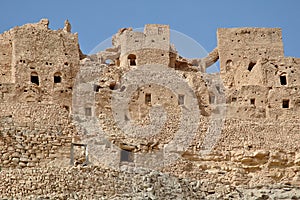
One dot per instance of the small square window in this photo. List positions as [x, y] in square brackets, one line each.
[252, 101]
[126, 156]
[34, 79]
[88, 111]
[57, 79]
[285, 103]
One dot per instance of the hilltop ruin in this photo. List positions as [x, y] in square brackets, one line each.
[52, 95]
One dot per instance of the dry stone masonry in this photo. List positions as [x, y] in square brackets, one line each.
[60, 133]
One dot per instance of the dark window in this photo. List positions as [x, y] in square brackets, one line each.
[67, 108]
[34, 78]
[132, 58]
[147, 98]
[88, 111]
[229, 65]
[233, 99]
[218, 88]
[283, 80]
[252, 101]
[126, 156]
[96, 88]
[251, 65]
[57, 78]
[112, 85]
[180, 99]
[285, 103]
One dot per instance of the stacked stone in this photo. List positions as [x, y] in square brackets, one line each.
[21, 147]
[100, 182]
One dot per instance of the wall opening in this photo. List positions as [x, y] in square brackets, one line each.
[96, 88]
[67, 108]
[126, 156]
[180, 99]
[57, 78]
[132, 59]
[113, 85]
[147, 98]
[88, 111]
[252, 101]
[285, 103]
[212, 99]
[283, 80]
[108, 61]
[297, 104]
[229, 65]
[79, 154]
[126, 118]
[251, 65]
[218, 89]
[34, 78]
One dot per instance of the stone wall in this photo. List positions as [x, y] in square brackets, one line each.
[150, 46]
[41, 63]
[256, 152]
[98, 182]
[6, 57]
[34, 135]
[51, 112]
[241, 48]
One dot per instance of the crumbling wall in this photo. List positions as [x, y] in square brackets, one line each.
[248, 102]
[34, 135]
[6, 57]
[98, 182]
[44, 63]
[148, 47]
[258, 143]
[284, 103]
[253, 57]
[7, 91]
[240, 49]
[40, 66]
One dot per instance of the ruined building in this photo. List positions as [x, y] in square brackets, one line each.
[233, 130]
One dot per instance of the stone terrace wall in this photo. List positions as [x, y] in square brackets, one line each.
[34, 135]
[249, 153]
[98, 182]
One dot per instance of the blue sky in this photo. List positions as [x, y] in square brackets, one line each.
[95, 21]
